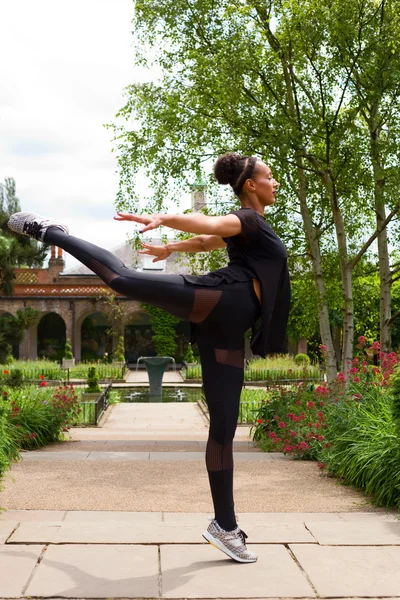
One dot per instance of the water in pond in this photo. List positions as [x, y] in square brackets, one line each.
[169, 394]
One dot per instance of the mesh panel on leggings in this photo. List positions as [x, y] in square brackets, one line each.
[205, 300]
[219, 457]
[233, 358]
[100, 269]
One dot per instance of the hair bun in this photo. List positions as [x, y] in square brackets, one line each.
[226, 168]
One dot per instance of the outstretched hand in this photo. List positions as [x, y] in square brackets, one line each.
[160, 252]
[149, 221]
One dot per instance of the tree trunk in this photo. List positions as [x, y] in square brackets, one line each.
[346, 276]
[313, 243]
[385, 298]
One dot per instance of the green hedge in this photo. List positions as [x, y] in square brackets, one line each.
[312, 373]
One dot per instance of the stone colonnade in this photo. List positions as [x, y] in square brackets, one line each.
[73, 311]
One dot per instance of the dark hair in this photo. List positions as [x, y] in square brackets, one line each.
[234, 169]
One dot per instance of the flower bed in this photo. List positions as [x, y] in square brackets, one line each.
[32, 416]
[349, 427]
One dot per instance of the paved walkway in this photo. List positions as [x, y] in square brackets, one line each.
[118, 512]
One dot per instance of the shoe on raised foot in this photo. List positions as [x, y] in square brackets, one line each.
[32, 225]
[233, 543]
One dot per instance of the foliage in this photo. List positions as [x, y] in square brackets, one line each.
[350, 427]
[15, 251]
[31, 417]
[120, 352]
[68, 350]
[302, 359]
[12, 330]
[92, 381]
[164, 333]
[307, 87]
[395, 393]
[189, 356]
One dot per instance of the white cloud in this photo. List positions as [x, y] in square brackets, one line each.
[64, 68]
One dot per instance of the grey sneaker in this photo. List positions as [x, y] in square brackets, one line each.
[233, 543]
[32, 225]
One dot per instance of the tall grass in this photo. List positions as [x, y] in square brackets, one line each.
[365, 447]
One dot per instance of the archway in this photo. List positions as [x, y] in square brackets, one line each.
[51, 336]
[96, 340]
[138, 337]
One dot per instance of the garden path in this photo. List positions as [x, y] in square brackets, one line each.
[118, 511]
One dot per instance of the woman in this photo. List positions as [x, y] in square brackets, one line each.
[221, 306]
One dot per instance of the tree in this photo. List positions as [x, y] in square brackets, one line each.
[266, 78]
[12, 330]
[15, 251]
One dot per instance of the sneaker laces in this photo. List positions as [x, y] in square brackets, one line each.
[242, 536]
[32, 228]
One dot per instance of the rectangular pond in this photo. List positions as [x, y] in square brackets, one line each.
[169, 394]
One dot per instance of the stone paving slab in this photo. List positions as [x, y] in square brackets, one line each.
[379, 533]
[17, 563]
[100, 516]
[148, 533]
[205, 572]
[351, 571]
[97, 572]
[32, 515]
[142, 446]
[6, 529]
[154, 456]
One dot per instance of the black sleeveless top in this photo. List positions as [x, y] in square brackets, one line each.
[258, 253]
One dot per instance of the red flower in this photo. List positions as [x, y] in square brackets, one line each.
[311, 404]
[362, 340]
[41, 376]
[43, 383]
[260, 421]
[281, 424]
[356, 380]
[5, 372]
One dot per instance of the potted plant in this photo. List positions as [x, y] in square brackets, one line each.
[93, 390]
[119, 356]
[68, 361]
[189, 358]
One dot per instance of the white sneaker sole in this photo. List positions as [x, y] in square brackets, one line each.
[220, 546]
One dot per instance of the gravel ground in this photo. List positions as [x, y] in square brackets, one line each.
[272, 486]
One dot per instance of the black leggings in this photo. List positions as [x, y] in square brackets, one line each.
[221, 314]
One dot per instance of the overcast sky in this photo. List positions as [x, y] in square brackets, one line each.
[64, 67]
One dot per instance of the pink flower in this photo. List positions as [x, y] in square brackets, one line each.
[341, 377]
[353, 370]
[356, 380]
[310, 404]
[281, 424]
[362, 340]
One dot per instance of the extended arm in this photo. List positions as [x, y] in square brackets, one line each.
[225, 226]
[199, 243]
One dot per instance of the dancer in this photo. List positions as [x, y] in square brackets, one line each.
[221, 306]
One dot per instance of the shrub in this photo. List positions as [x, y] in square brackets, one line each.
[120, 352]
[15, 378]
[68, 350]
[292, 421]
[92, 381]
[302, 359]
[189, 356]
